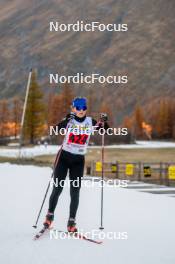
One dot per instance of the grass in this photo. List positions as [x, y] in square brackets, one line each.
[143, 155]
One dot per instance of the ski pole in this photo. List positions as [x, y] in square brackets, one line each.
[55, 164]
[102, 179]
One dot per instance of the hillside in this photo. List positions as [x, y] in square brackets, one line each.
[146, 53]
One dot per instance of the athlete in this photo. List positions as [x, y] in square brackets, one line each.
[72, 158]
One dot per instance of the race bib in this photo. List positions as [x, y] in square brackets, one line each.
[78, 139]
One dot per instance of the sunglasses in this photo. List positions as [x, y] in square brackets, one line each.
[79, 108]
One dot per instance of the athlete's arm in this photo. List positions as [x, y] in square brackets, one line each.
[99, 124]
[65, 121]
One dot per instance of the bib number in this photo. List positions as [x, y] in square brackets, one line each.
[77, 139]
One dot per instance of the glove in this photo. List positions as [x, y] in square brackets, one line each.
[70, 116]
[103, 117]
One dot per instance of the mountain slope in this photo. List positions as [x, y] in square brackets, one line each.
[146, 53]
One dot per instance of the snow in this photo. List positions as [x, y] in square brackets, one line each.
[53, 149]
[29, 151]
[145, 144]
[148, 220]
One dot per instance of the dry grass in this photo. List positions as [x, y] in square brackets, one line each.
[151, 155]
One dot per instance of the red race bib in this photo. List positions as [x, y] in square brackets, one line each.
[77, 139]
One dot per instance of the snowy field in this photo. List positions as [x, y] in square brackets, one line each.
[52, 149]
[147, 218]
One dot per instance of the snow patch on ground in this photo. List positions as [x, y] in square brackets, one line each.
[52, 149]
[29, 152]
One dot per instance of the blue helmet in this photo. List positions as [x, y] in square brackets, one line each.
[80, 103]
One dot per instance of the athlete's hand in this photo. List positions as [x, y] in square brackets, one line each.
[103, 117]
[70, 116]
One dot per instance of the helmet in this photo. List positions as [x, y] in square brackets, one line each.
[80, 103]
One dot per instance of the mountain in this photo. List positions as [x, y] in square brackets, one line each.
[145, 53]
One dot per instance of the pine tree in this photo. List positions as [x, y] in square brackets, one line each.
[35, 112]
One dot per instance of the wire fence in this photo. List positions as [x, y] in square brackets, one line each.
[162, 173]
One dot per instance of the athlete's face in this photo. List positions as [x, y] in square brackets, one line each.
[79, 113]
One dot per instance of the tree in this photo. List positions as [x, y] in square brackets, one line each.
[4, 118]
[16, 113]
[58, 108]
[54, 109]
[35, 112]
[128, 122]
[59, 105]
[66, 99]
[163, 120]
[139, 118]
[173, 118]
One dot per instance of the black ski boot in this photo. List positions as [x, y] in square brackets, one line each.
[71, 226]
[49, 220]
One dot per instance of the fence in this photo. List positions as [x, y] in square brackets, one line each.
[160, 173]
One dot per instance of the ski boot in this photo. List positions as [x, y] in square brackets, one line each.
[49, 219]
[71, 226]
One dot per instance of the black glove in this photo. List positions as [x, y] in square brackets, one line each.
[103, 117]
[70, 116]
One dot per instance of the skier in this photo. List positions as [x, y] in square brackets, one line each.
[72, 158]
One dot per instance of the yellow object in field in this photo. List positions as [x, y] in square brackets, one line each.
[147, 171]
[113, 167]
[98, 166]
[129, 169]
[171, 172]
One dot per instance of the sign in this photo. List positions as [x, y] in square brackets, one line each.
[98, 166]
[113, 167]
[171, 172]
[147, 171]
[129, 169]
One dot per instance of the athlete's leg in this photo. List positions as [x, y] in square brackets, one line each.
[76, 173]
[59, 178]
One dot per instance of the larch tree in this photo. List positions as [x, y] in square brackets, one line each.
[4, 118]
[16, 113]
[138, 120]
